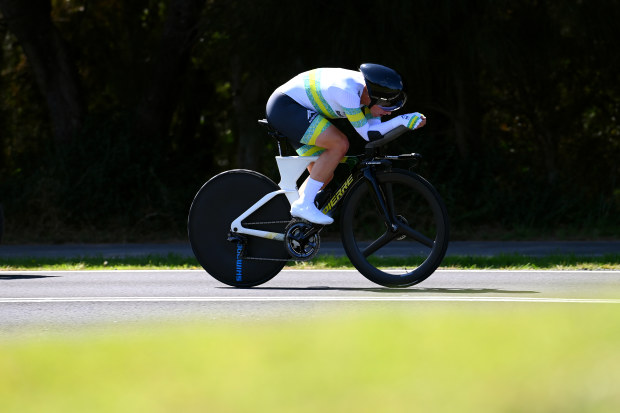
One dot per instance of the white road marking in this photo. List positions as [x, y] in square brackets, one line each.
[25, 300]
[310, 271]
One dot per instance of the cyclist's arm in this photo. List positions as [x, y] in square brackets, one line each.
[372, 120]
[410, 120]
[362, 125]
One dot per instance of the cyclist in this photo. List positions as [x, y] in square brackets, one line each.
[301, 107]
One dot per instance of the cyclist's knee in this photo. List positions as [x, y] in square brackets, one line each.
[333, 139]
[340, 142]
[344, 145]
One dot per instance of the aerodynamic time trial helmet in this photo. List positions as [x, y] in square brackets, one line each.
[385, 86]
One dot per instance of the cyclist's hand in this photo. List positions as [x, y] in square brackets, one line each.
[414, 120]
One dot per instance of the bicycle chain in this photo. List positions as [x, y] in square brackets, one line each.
[265, 222]
[269, 259]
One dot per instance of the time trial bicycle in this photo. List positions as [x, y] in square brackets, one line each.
[241, 231]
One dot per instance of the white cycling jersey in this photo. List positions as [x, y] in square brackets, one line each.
[336, 93]
[329, 91]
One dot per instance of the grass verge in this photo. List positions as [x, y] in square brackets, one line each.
[431, 358]
[173, 261]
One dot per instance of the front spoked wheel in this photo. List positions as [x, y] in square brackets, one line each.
[420, 233]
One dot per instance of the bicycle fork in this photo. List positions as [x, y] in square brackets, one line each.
[381, 199]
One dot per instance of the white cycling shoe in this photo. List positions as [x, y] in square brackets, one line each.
[310, 213]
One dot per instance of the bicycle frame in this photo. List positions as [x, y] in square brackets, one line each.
[290, 168]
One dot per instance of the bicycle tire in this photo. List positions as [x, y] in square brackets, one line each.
[219, 202]
[418, 205]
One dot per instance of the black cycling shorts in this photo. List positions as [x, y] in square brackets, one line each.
[300, 125]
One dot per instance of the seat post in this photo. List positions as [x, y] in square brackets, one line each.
[274, 133]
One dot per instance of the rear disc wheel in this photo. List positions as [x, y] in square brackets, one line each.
[216, 205]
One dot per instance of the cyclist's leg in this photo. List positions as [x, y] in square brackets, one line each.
[311, 135]
[324, 138]
[336, 146]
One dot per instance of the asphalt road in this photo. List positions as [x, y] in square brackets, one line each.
[44, 302]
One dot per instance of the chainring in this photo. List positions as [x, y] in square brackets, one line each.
[298, 244]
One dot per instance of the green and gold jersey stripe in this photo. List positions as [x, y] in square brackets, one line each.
[368, 114]
[313, 91]
[412, 121]
[355, 116]
[317, 126]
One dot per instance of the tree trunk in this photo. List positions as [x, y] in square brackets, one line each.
[51, 63]
[461, 120]
[248, 110]
[157, 105]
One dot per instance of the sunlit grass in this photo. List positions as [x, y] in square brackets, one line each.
[148, 262]
[174, 261]
[431, 358]
[503, 261]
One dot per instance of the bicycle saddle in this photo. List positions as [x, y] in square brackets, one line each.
[282, 141]
[270, 129]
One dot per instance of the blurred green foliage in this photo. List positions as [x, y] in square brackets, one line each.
[362, 357]
[522, 97]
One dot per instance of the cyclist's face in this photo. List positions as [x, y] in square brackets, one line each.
[375, 110]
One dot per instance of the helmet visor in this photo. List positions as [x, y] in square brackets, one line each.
[395, 103]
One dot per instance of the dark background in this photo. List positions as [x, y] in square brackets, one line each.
[114, 113]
